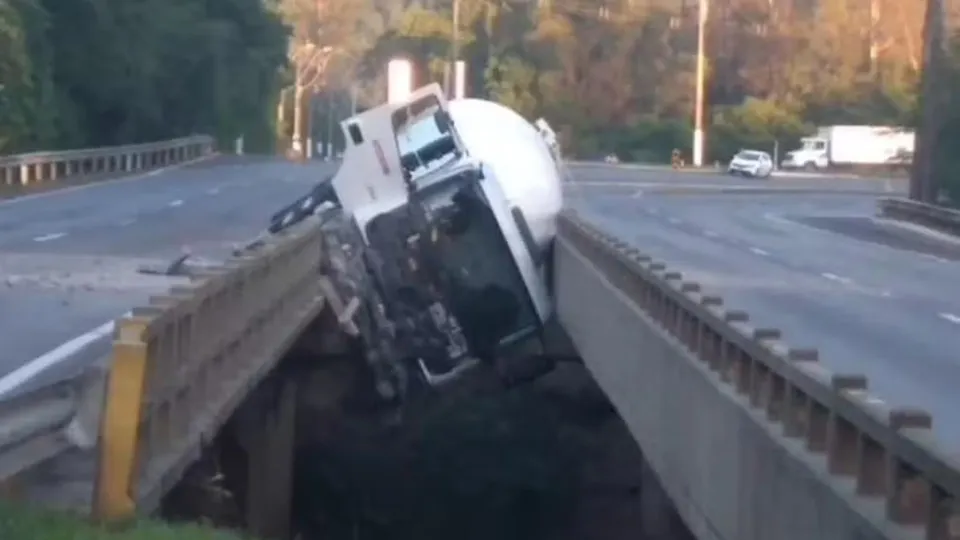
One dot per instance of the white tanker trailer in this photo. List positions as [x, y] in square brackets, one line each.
[439, 234]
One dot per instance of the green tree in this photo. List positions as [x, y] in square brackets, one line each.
[105, 72]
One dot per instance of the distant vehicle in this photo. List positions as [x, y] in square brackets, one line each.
[753, 163]
[845, 147]
[611, 158]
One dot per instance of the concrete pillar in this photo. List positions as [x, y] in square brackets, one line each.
[266, 428]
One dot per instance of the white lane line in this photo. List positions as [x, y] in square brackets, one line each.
[933, 258]
[637, 194]
[49, 237]
[761, 252]
[838, 279]
[127, 222]
[769, 216]
[955, 319]
[711, 234]
[176, 203]
[41, 363]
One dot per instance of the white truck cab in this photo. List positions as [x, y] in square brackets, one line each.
[457, 202]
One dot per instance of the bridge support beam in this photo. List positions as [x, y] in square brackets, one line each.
[265, 427]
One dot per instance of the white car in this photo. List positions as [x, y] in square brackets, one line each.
[751, 163]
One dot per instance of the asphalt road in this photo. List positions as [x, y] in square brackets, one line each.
[873, 297]
[654, 178]
[69, 259]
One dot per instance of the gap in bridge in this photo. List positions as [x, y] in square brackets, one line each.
[546, 460]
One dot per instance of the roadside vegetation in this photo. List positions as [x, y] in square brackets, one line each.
[87, 73]
[21, 523]
[615, 79]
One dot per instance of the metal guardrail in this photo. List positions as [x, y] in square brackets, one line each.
[39, 425]
[25, 169]
[878, 454]
[930, 215]
[32, 427]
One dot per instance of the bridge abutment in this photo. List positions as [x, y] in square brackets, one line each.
[266, 430]
[659, 519]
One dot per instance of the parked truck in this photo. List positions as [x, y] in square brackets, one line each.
[853, 147]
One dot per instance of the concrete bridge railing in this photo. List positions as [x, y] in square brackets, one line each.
[180, 367]
[936, 217]
[182, 364]
[751, 439]
[40, 167]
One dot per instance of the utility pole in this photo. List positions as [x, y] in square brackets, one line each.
[450, 69]
[703, 7]
[328, 146]
[923, 178]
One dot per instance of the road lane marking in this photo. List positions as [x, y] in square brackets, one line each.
[213, 191]
[674, 221]
[955, 319]
[49, 237]
[711, 234]
[127, 222]
[933, 258]
[761, 252]
[176, 203]
[638, 194]
[770, 216]
[838, 279]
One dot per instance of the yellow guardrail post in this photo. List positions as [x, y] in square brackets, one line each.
[115, 496]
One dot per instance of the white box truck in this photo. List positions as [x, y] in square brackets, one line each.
[853, 147]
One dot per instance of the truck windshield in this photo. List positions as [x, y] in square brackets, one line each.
[423, 148]
[813, 144]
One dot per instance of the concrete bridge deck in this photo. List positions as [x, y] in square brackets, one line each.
[751, 438]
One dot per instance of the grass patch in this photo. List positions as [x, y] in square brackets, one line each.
[20, 523]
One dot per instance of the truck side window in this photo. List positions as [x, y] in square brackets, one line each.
[355, 134]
